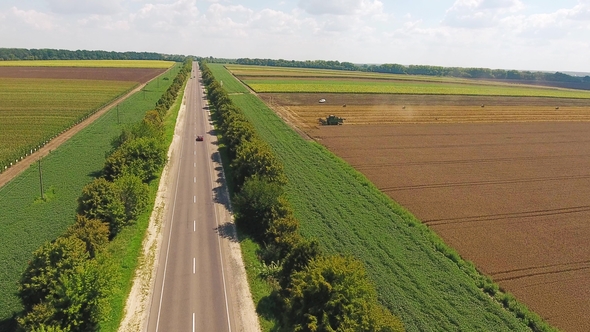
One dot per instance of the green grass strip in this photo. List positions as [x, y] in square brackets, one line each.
[347, 214]
[126, 249]
[26, 222]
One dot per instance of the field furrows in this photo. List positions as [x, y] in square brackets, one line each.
[512, 197]
[139, 75]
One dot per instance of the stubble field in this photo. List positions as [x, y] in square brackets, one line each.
[502, 179]
[512, 198]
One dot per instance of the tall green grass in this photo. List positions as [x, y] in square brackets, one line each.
[27, 222]
[347, 214]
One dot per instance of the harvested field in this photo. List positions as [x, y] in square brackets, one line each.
[387, 108]
[512, 197]
[140, 75]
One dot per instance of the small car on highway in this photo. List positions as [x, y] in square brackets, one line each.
[199, 138]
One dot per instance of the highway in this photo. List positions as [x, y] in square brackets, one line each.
[194, 287]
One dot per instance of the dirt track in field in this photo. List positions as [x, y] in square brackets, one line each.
[18, 168]
[140, 75]
[511, 194]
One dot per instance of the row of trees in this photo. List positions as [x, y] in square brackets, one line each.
[66, 284]
[479, 73]
[313, 291]
[60, 54]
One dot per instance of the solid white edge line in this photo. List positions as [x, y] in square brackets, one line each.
[220, 253]
[169, 236]
[193, 322]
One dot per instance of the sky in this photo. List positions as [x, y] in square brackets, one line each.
[546, 35]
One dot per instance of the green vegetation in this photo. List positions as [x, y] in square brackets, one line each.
[54, 54]
[417, 276]
[35, 110]
[230, 84]
[89, 63]
[479, 73]
[75, 295]
[406, 87]
[263, 213]
[26, 224]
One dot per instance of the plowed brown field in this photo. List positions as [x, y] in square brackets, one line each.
[512, 196]
[140, 75]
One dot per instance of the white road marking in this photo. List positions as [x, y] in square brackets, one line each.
[169, 237]
[193, 322]
[194, 263]
[195, 179]
[194, 164]
[194, 153]
[194, 225]
[194, 199]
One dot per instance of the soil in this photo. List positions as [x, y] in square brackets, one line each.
[140, 75]
[503, 180]
[514, 198]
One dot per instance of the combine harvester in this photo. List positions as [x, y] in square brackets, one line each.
[331, 120]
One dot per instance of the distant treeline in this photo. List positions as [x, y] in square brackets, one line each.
[55, 54]
[477, 73]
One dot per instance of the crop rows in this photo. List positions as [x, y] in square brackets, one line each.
[283, 85]
[89, 63]
[33, 111]
[26, 222]
[349, 215]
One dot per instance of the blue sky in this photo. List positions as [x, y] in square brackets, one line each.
[508, 34]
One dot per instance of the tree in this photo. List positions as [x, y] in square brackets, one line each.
[100, 200]
[256, 206]
[298, 259]
[133, 195]
[76, 302]
[254, 158]
[93, 232]
[334, 294]
[282, 236]
[142, 157]
[49, 262]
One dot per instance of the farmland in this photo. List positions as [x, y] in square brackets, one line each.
[39, 103]
[324, 81]
[347, 214]
[502, 179]
[90, 63]
[26, 221]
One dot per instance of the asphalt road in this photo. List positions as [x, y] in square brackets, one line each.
[191, 292]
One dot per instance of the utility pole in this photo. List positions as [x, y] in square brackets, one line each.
[41, 180]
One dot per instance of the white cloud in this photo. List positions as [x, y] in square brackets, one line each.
[341, 7]
[480, 13]
[166, 17]
[100, 7]
[33, 18]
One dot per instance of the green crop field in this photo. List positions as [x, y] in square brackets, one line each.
[230, 84]
[89, 63]
[301, 80]
[282, 85]
[347, 214]
[33, 111]
[26, 222]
